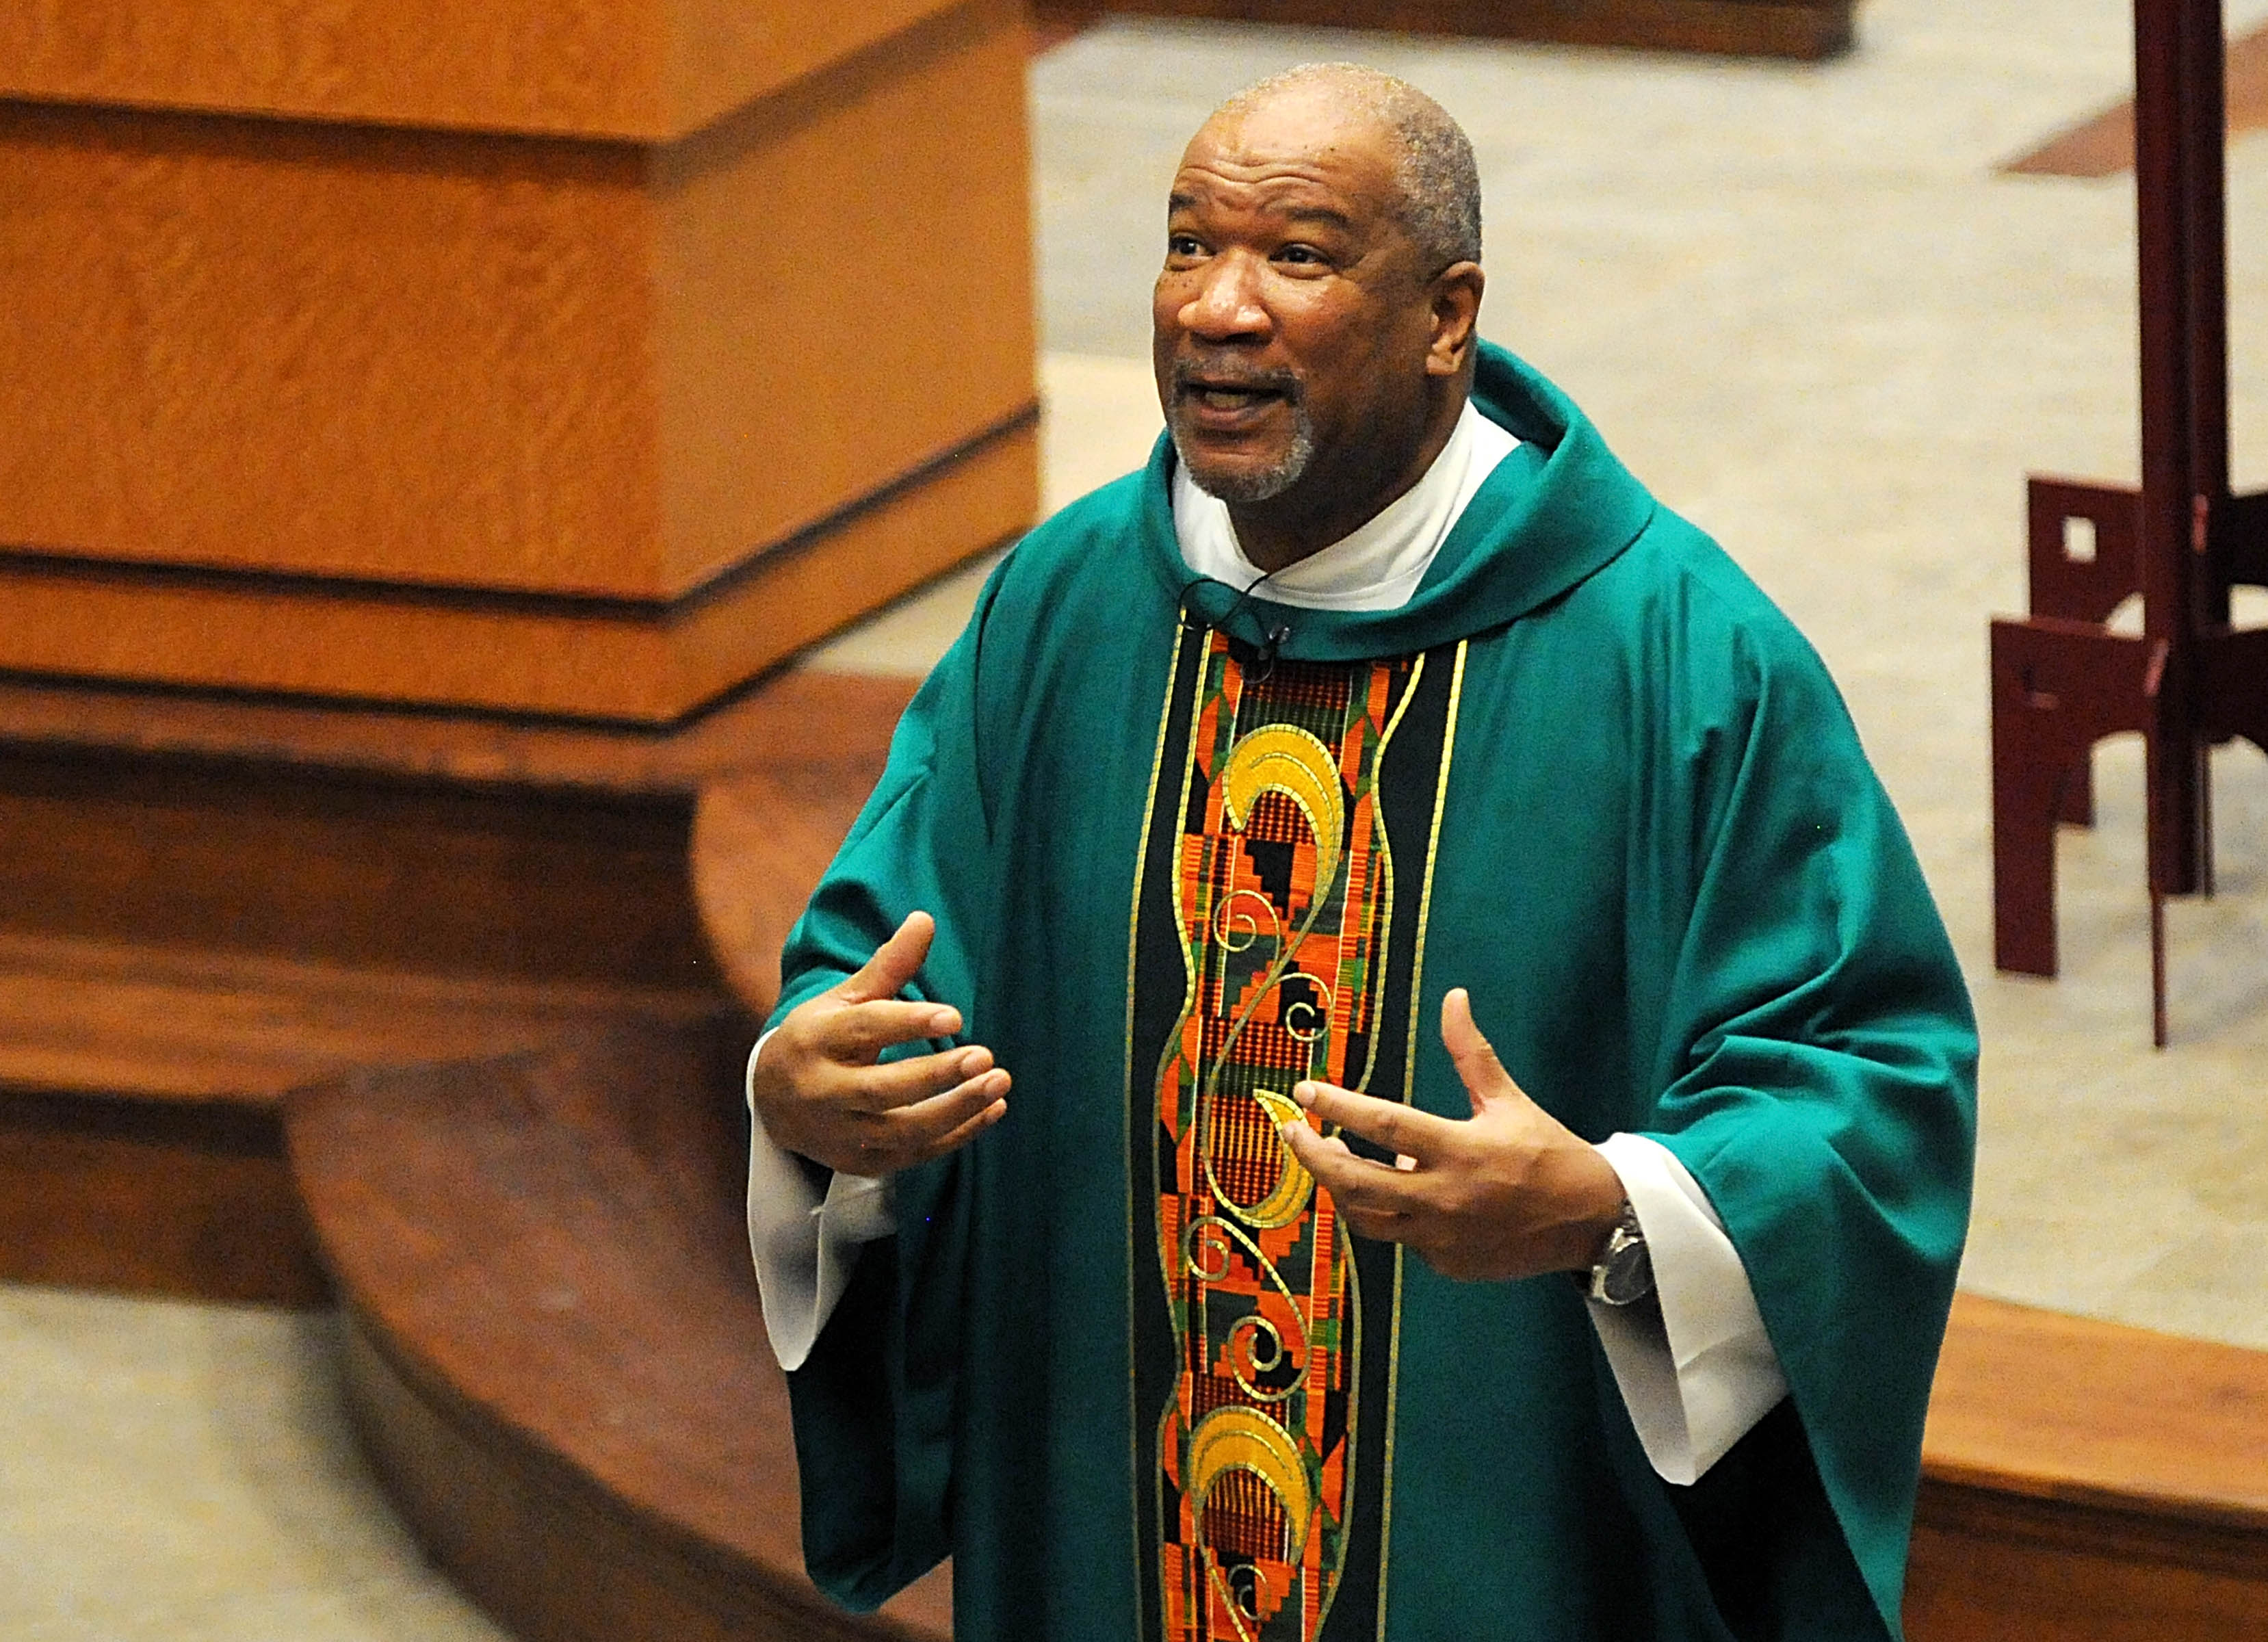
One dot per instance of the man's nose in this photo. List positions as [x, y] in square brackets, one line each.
[1227, 304]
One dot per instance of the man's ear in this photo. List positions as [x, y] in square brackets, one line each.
[1457, 309]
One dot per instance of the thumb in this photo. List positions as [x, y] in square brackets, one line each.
[1482, 1074]
[895, 963]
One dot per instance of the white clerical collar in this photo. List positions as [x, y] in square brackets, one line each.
[1380, 565]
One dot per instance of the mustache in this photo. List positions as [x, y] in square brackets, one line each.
[1195, 375]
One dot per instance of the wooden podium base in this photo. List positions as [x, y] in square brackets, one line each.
[206, 904]
[648, 661]
[2083, 1482]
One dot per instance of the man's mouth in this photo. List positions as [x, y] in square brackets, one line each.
[1229, 395]
[1231, 398]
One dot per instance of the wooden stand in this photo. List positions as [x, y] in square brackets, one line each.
[1755, 28]
[2062, 679]
[574, 360]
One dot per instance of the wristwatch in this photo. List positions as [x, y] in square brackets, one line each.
[1623, 1272]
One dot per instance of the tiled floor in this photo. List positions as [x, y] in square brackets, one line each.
[1805, 310]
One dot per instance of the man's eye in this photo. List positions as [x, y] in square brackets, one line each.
[1184, 245]
[1301, 256]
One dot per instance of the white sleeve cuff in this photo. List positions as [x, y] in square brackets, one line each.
[1697, 1369]
[805, 1245]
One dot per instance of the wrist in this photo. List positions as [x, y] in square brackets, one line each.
[1604, 1206]
[1620, 1268]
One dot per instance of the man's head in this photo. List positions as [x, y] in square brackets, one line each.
[1314, 320]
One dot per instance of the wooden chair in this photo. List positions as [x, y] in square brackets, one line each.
[2062, 679]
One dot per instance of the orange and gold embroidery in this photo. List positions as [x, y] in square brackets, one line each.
[1285, 895]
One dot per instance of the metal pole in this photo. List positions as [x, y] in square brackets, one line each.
[2176, 184]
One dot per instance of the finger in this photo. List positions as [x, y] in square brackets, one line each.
[1483, 1075]
[928, 1129]
[1380, 1226]
[859, 1032]
[963, 1135]
[895, 963]
[893, 1084]
[1398, 1128]
[1356, 1185]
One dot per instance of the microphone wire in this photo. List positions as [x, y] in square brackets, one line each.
[1273, 638]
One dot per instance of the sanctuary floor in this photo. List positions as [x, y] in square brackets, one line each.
[1804, 307]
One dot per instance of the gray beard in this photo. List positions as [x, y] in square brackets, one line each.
[1269, 482]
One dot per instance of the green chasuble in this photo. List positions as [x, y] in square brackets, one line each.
[1120, 1361]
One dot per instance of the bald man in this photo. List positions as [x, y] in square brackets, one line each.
[1492, 1102]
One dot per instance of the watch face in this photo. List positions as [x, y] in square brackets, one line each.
[1627, 1272]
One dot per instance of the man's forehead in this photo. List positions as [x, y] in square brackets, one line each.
[1294, 150]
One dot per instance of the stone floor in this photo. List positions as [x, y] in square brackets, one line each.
[1803, 308]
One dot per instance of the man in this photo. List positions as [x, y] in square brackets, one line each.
[1335, 829]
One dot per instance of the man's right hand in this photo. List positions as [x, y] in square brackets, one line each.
[822, 1091]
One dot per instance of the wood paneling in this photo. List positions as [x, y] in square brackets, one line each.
[204, 905]
[406, 355]
[568, 368]
[646, 70]
[152, 1198]
[844, 289]
[1978, 1574]
[1775, 28]
[587, 659]
[2084, 1481]
[2108, 1414]
[121, 1021]
[275, 862]
[283, 403]
[833, 726]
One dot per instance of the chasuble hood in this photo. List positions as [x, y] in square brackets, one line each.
[1555, 510]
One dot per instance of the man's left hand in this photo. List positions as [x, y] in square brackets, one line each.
[1508, 1193]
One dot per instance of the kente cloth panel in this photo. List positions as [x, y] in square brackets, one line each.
[1279, 933]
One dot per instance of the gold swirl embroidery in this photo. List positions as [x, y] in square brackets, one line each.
[1230, 920]
[1208, 1236]
[1240, 1439]
[1284, 758]
[1288, 1200]
[1248, 1338]
[1279, 758]
[1217, 1239]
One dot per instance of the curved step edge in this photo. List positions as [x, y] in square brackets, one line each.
[535, 1534]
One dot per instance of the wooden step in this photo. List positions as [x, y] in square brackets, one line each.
[559, 1363]
[2086, 1482]
[141, 1139]
[207, 901]
[172, 1025]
